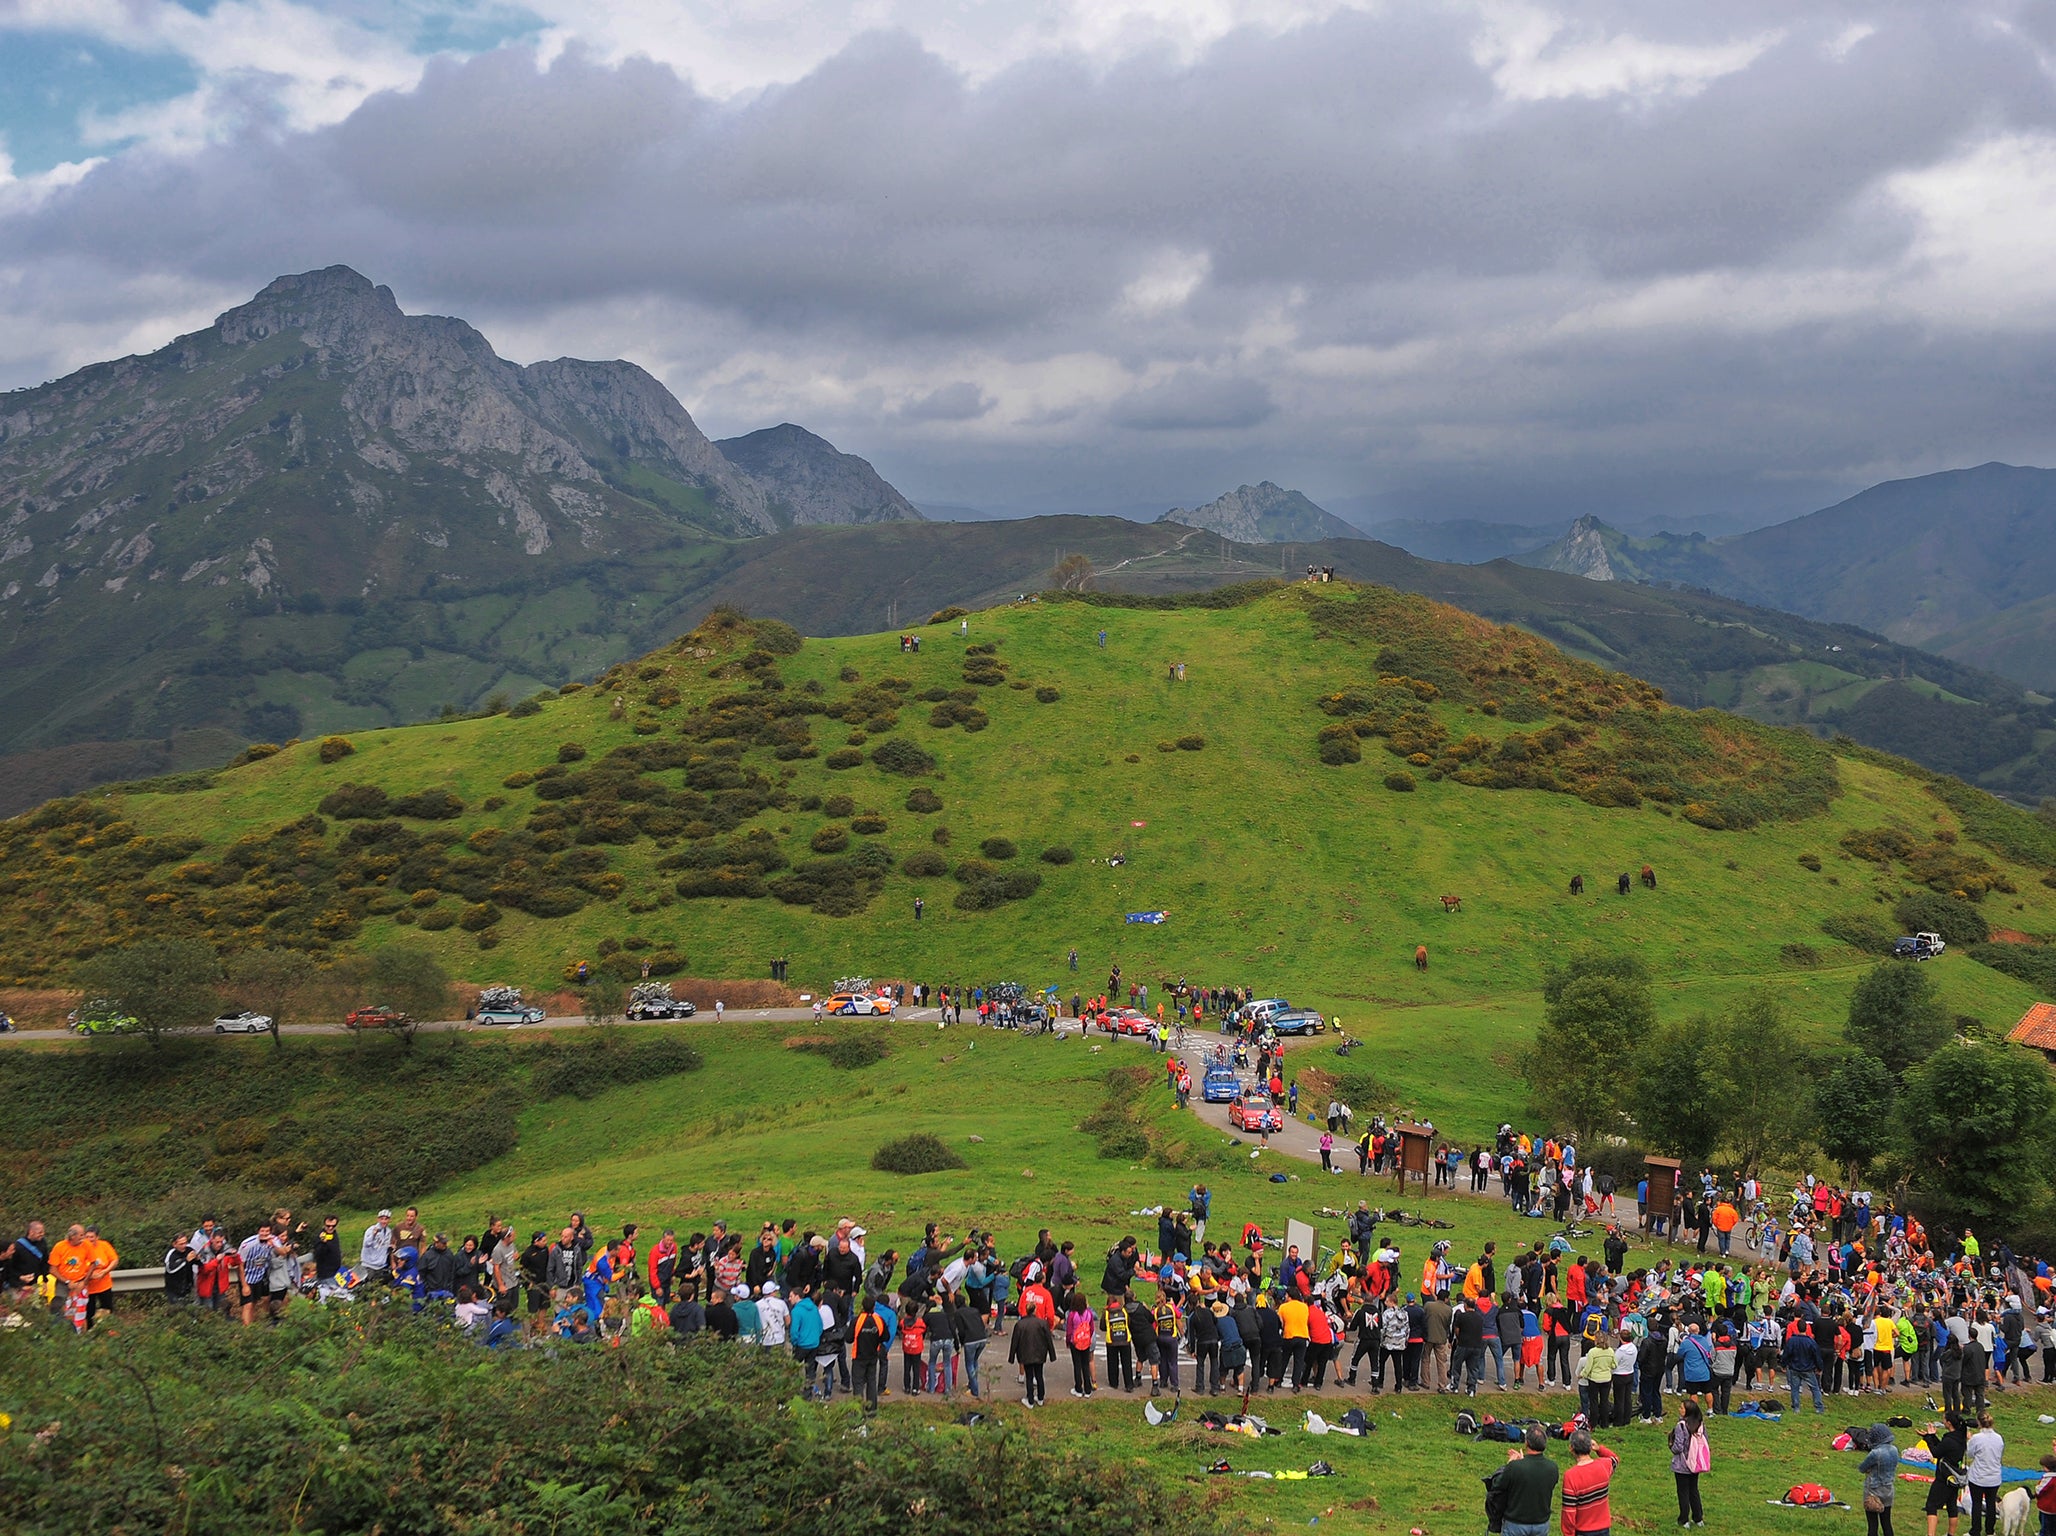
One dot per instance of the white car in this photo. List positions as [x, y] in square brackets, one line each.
[244, 1023]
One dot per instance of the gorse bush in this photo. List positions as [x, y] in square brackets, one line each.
[1607, 738]
[918, 1153]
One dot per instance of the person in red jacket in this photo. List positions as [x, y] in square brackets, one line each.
[1587, 1483]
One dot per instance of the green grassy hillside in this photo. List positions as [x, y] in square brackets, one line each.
[719, 766]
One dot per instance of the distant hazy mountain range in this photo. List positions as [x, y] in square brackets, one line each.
[1962, 562]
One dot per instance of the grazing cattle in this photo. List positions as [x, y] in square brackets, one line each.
[1625, 882]
[1420, 957]
[1577, 885]
[1452, 903]
[1649, 877]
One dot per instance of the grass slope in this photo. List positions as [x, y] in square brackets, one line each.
[1278, 871]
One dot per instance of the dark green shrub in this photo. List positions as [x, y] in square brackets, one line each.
[570, 752]
[924, 801]
[998, 848]
[429, 805]
[830, 839]
[1058, 855]
[997, 890]
[848, 1052]
[354, 802]
[901, 756]
[1931, 912]
[918, 1153]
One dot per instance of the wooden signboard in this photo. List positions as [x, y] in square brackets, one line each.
[1663, 1192]
[1415, 1143]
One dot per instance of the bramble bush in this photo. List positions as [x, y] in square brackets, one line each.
[368, 1418]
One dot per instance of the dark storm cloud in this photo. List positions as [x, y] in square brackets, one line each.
[1393, 254]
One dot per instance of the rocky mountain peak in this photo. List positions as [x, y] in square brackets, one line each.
[809, 480]
[1264, 513]
[330, 307]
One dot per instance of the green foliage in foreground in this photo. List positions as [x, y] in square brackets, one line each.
[147, 1141]
[371, 1421]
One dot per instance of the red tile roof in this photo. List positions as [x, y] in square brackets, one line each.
[2037, 1027]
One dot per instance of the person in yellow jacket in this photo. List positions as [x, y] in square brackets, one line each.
[1292, 1320]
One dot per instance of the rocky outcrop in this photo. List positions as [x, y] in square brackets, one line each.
[1264, 514]
[809, 481]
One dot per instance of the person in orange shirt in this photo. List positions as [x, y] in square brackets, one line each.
[84, 1262]
[100, 1282]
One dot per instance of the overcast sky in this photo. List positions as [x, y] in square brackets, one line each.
[1503, 260]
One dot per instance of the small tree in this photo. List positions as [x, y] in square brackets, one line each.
[1852, 1107]
[1676, 1100]
[1895, 1016]
[412, 981]
[1596, 1007]
[1073, 573]
[1977, 1123]
[163, 984]
[275, 981]
[1754, 1075]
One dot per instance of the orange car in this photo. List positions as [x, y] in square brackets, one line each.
[858, 1003]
